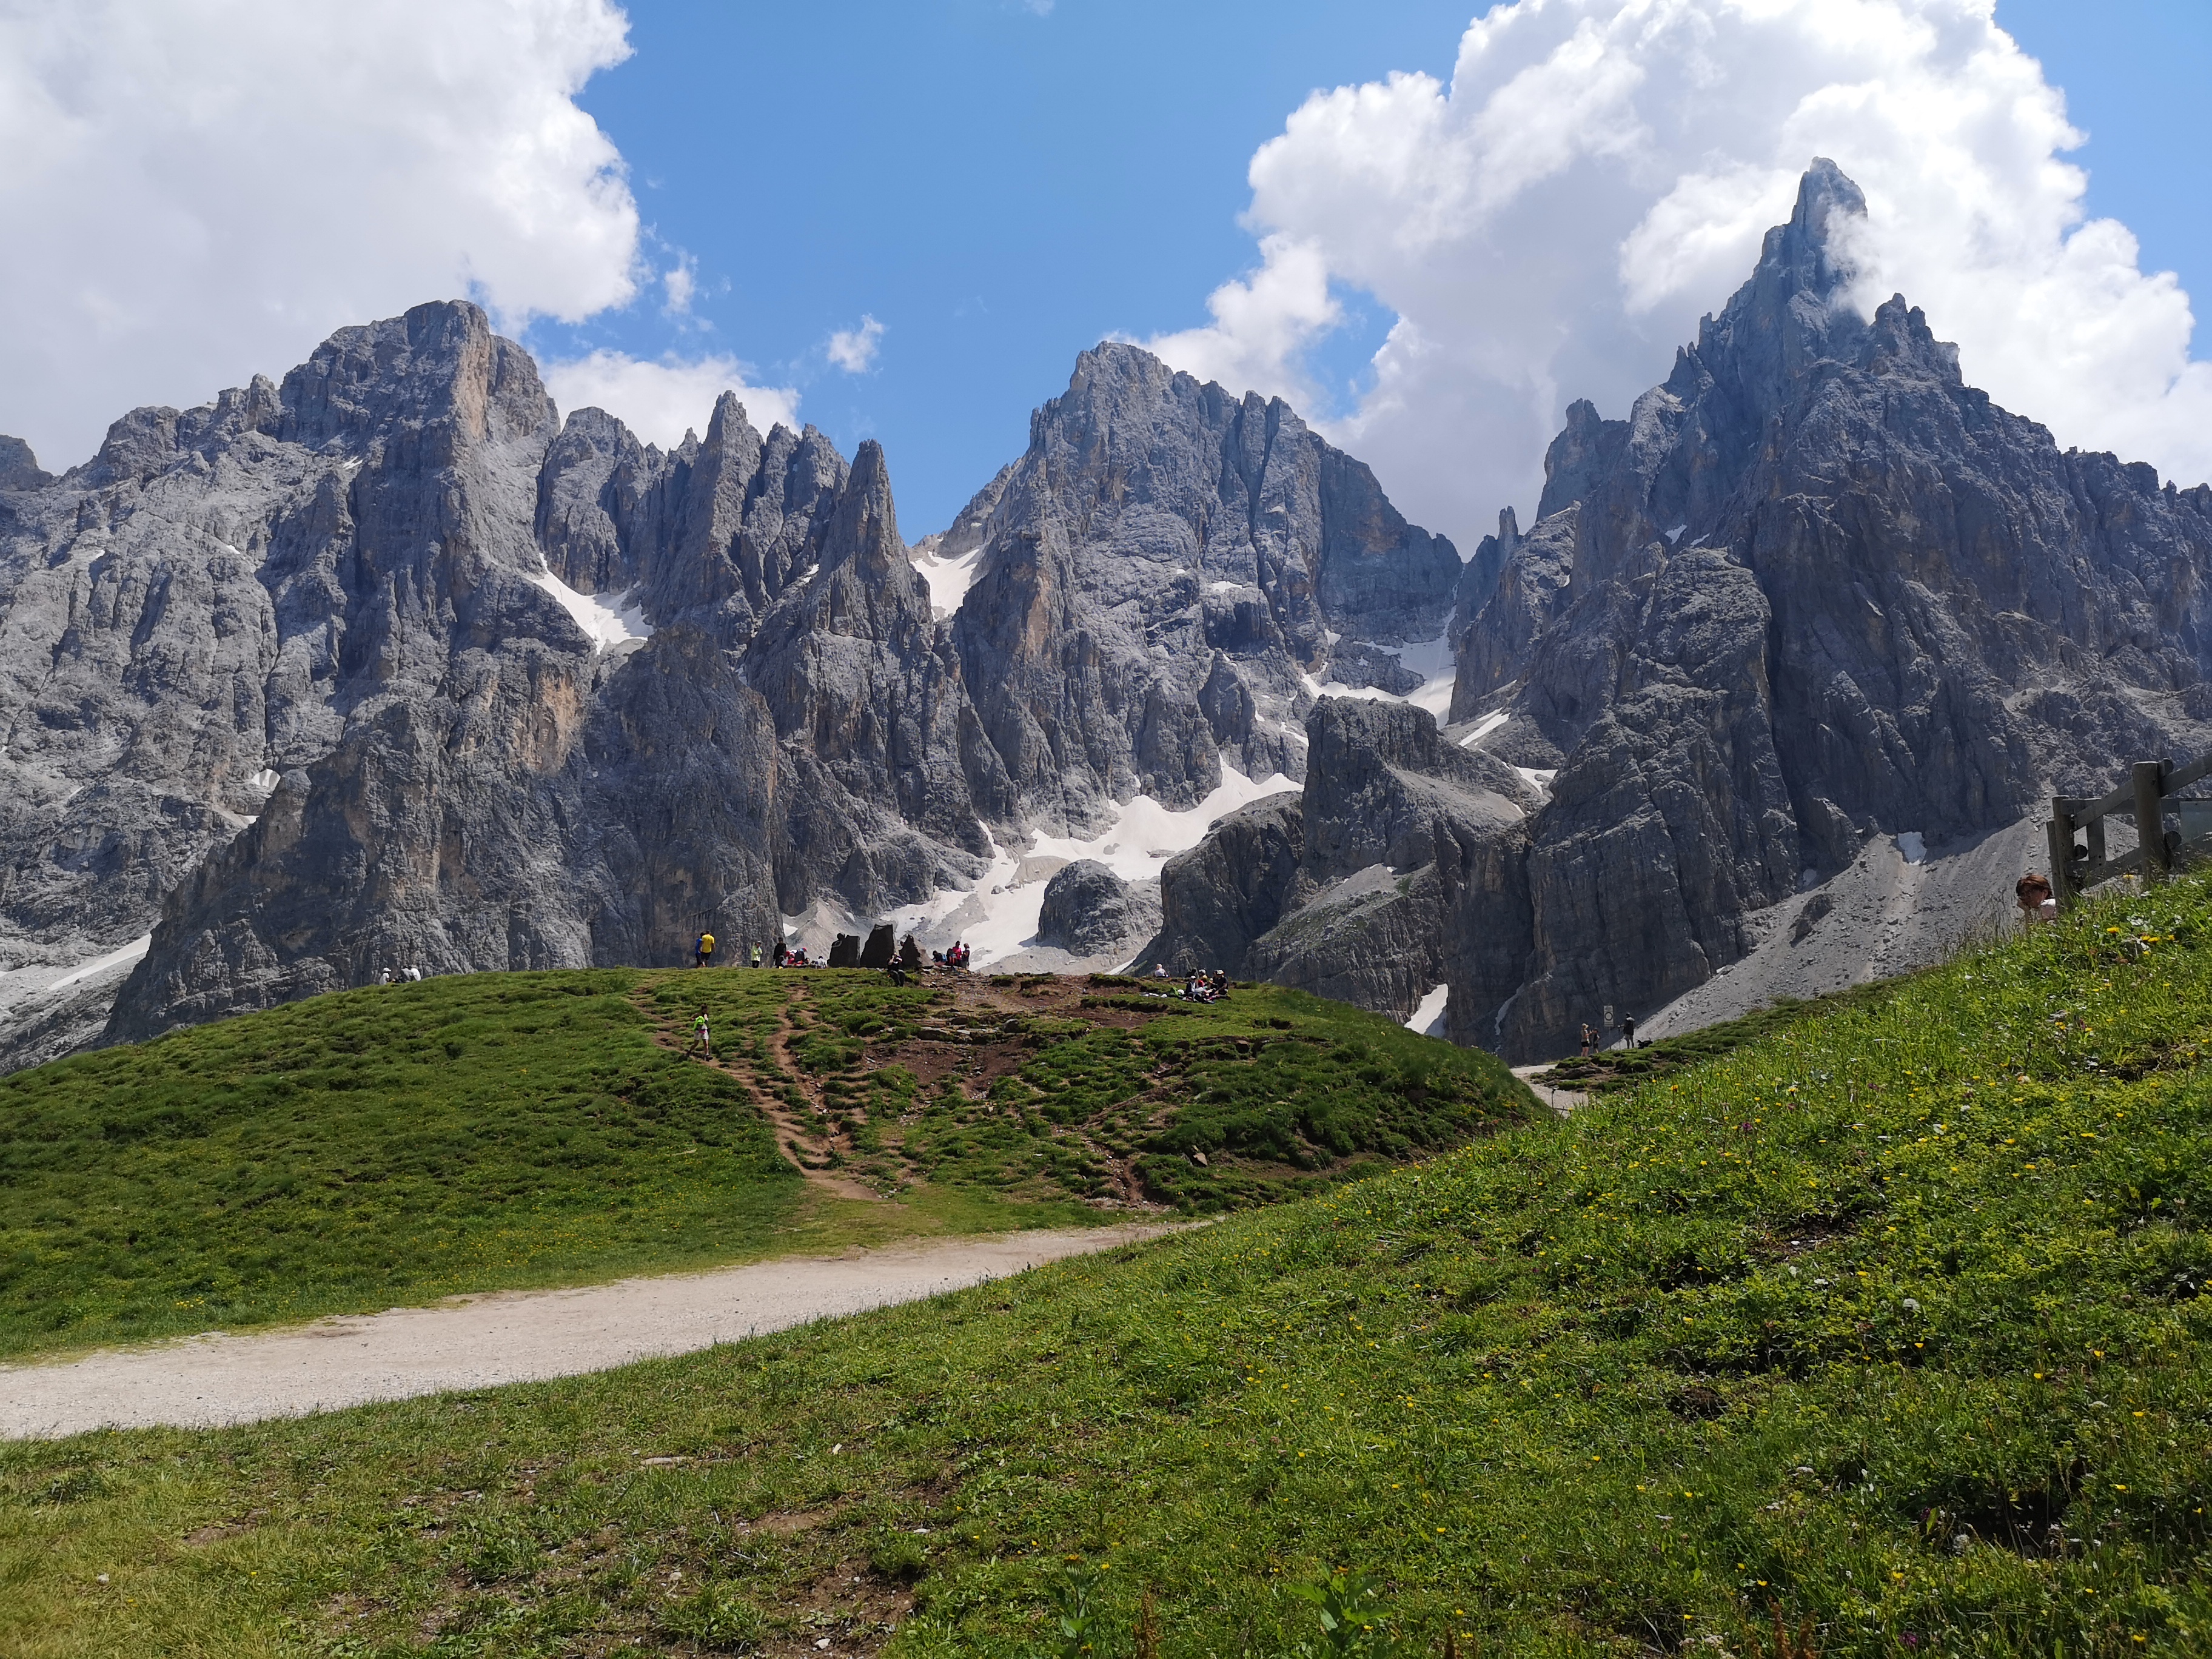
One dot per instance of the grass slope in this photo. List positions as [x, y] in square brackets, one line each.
[404, 1143]
[1611, 1070]
[1036, 1087]
[1886, 1326]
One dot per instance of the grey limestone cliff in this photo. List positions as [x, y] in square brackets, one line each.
[1162, 577]
[387, 665]
[1815, 589]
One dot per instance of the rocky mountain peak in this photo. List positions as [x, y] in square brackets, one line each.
[1813, 589]
[438, 371]
[19, 467]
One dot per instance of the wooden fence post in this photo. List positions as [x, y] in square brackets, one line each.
[2150, 818]
[2061, 837]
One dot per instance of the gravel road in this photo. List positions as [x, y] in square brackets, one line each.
[510, 1336]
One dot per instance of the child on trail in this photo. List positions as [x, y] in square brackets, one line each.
[701, 1036]
[703, 952]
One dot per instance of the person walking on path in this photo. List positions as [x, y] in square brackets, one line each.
[703, 952]
[701, 1038]
[1628, 1031]
[756, 956]
[1589, 1039]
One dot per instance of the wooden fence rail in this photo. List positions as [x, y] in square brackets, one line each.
[2078, 866]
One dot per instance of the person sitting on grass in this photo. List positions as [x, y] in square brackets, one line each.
[701, 1038]
[2033, 893]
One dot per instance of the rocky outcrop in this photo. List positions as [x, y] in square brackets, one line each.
[19, 467]
[316, 706]
[1366, 885]
[1087, 909]
[1229, 888]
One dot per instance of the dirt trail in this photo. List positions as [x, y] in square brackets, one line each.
[486, 1341]
[792, 1133]
[1562, 1101]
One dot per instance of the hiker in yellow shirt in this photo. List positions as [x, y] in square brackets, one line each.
[703, 953]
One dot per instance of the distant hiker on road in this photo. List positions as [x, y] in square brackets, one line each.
[2032, 891]
[1589, 1039]
[703, 952]
[701, 1037]
[1628, 1031]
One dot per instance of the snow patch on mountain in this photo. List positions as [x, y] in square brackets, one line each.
[613, 622]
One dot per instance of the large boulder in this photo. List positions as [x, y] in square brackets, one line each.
[1229, 888]
[1086, 910]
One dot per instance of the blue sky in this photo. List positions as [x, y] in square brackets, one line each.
[999, 185]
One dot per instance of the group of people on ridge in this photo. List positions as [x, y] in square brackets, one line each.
[1199, 985]
[780, 955]
[1593, 1035]
[702, 954]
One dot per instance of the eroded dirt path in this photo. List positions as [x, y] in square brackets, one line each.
[805, 1143]
[513, 1336]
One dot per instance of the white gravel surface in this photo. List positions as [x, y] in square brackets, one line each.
[1901, 905]
[511, 1336]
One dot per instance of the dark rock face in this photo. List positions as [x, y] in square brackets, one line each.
[1399, 868]
[1086, 910]
[1414, 854]
[19, 468]
[1229, 888]
[1815, 586]
[1813, 589]
[1159, 572]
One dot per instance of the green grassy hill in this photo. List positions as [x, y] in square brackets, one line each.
[405, 1143]
[1881, 1334]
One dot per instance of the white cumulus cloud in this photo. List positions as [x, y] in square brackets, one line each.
[1262, 324]
[660, 401]
[1598, 174]
[198, 188]
[678, 283]
[853, 349]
